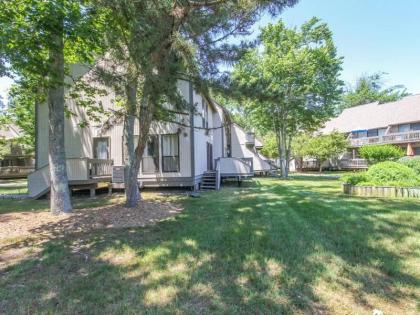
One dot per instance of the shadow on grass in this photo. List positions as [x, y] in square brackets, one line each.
[257, 249]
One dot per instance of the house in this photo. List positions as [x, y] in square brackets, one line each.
[199, 152]
[14, 162]
[396, 123]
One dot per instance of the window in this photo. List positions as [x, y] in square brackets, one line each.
[404, 128]
[150, 160]
[359, 134]
[170, 153]
[372, 133]
[415, 126]
[382, 131]
[101, 148]
[205, 114]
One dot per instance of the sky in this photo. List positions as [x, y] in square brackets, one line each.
[371, 35]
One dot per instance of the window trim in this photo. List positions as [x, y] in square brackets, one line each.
[163, 156]
[157, 170]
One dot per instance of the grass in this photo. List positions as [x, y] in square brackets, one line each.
[270, 247]
[13, 186]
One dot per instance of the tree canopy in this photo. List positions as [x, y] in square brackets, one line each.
[321, 147]
[38, 41]
[151, 45]
[291, 81]
[370, 88]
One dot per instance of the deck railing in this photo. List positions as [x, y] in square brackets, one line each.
[78, 170]
[231, 166]
[401, 137]
[353, 163]
[100, 167]
[250, 139]
[19, 171]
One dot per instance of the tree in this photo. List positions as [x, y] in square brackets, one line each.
[380, 153]
[270, 148]
[23, 97]
[152, 45]
[325, 147]
[4, 148]
[291, 81]
[370, 88]
[2, 105]
[38, 39]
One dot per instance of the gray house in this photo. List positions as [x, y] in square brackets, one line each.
[200, 155]
[16, 162]
[395, 123]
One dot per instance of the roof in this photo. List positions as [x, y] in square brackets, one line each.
[9, 132]
[375, 115]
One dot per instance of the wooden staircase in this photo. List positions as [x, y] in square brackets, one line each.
[208, 181]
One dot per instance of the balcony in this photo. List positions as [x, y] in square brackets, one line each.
[250, 139]
[353, 164]
[402, 137]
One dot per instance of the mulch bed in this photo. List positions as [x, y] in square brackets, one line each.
[14, 225]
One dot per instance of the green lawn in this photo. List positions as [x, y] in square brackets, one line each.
[269, 247]
[13, 186]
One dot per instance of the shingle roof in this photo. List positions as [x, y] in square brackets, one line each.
[375, 115]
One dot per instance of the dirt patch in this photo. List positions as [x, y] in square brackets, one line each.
[22, 234]
[17, 225]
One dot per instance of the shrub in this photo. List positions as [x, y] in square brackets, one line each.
[355, 178]
[413, 163]
[385, 174]
[392, 173]
[380, 153]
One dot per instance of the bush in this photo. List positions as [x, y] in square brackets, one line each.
[413, 163]
[380, 153]
[355, 178]
[385, 174]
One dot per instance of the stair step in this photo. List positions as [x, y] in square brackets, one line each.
[208, 186]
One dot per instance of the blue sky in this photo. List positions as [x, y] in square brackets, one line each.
[371, 35]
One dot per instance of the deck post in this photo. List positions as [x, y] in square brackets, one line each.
[92, 192]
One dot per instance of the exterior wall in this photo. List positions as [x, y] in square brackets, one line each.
[218, 134]
[239, 149]
[201, 137]
[79, 141]
[192, 142]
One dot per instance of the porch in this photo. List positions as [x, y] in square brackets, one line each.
[15, 171]
[83, 173]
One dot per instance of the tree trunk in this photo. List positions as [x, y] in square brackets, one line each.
[135, 155]
[282, 153]
[131, 170]
[60, 192]
[320, 167]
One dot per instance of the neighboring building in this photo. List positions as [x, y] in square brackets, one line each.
[395, 123]
[175, 155]
[15, 163]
